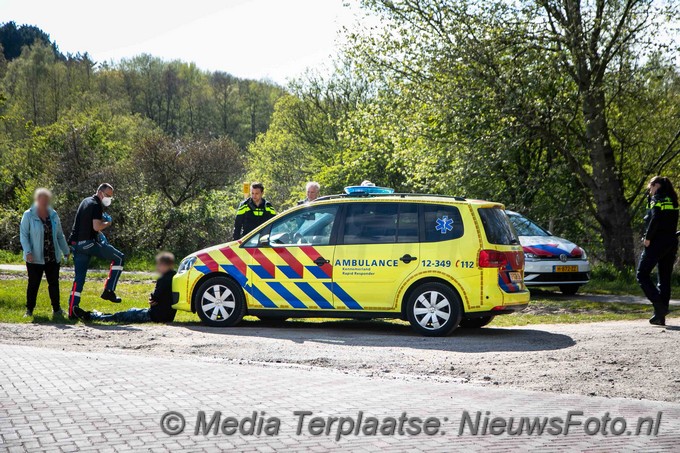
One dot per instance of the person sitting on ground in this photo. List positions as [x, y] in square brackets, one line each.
[160, 301]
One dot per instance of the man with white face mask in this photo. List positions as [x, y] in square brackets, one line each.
[87, 240]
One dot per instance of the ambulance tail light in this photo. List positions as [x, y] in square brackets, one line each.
[492, 258]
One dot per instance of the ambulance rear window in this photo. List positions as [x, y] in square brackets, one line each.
[497, 226]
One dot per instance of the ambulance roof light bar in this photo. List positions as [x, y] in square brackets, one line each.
[362, 191]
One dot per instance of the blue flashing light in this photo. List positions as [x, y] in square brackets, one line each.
[367, 190]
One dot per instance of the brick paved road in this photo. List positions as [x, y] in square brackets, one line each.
[70, 401]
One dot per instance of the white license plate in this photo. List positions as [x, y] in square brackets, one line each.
[516, 276]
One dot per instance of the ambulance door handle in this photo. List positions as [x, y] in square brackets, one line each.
[320, 261]
[408, 258]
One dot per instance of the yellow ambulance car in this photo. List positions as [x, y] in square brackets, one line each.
[439, 262]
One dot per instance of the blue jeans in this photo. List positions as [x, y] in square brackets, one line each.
[82, 253]
[126, 317]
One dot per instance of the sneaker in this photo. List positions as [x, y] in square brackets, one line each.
[28, 314]
[58, 313]
[111, 296]
[81, 314]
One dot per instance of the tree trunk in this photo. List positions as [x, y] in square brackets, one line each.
[612, 210]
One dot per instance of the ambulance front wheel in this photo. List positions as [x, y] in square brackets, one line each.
[220, 302]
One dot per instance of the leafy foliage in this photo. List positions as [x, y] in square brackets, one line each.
[13, 39]
[560, 109]
[168, 136]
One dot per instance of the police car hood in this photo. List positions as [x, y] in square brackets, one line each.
[549, 246]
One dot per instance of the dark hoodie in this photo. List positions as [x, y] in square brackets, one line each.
[162, 295]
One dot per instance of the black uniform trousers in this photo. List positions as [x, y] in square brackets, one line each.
[661, 253]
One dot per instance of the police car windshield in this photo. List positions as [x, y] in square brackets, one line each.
[526, 227]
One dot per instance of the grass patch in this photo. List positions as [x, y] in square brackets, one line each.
[13, 300]
[542, 310]
[606, 279]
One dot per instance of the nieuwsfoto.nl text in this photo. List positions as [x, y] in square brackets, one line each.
[479, 423]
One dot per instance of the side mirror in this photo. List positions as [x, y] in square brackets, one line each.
[264, 240]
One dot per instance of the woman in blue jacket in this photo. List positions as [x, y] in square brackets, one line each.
[45, 249]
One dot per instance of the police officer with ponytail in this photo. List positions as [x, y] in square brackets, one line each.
[253, 212]
[661, 246]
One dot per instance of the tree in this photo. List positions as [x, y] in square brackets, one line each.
[69, 123]
[306, 137]
[33, 85]
[588, 38]
[532, 83]
[184, 169]
[13, 39]
[224, 89]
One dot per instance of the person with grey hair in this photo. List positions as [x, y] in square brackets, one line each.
[313, 190]
[45, 249]
[87, 241]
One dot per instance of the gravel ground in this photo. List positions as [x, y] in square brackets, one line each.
[613, 359]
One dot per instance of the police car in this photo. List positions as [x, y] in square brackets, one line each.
[439, 262]
[550, 260]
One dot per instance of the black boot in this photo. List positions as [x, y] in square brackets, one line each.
[111, 296]
[657, 320]
[81, 314]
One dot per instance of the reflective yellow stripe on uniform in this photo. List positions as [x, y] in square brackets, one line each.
[243, 209]
[668, 206]
[665, 205]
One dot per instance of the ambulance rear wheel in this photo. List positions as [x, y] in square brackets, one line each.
[434, 309]
[220, 302]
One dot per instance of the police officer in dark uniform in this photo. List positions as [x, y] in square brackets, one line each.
[661, 246]
[252, 212]
[87, 240]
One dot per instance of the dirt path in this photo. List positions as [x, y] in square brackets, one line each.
[622, 359]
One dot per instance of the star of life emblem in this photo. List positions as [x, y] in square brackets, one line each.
[444, 224]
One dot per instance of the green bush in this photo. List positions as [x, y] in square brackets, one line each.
[608, 273]
[7, 257]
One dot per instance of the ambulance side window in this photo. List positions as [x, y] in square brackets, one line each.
[371, 223]
[311, 226]
[407, 230]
